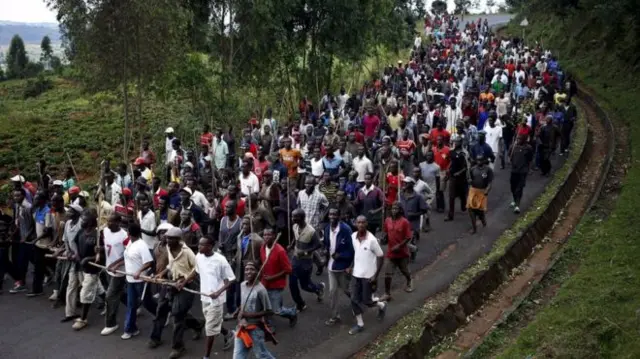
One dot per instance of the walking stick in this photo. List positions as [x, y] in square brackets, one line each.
[71, 163]
[288, 212]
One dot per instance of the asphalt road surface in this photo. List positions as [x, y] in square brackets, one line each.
[31, 329]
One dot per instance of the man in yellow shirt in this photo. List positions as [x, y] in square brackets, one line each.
[394, 119]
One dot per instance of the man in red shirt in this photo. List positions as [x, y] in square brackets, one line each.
[439, 131]
[371, 124]
[397, 230]
[206, 138]
[274, 277]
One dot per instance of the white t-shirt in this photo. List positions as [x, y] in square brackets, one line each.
[114, 245]
[365, 260]
[213, 271]
[493, 136]
[362, 166]
[136, 255]
[333, 239]
[249, 184]
[317, 167]
[148, 223]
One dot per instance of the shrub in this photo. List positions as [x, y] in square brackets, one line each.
[35, 88]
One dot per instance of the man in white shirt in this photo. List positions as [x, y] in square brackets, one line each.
[216, 276]
[137, 260]
[147, 220]
[453, 114]
[367, 262]
[198, 198]
[168, 148]
[249, 182]
[362, 165]
[494, 139]
[115, 239]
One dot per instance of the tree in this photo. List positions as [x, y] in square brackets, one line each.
[489, 5]
[47, 52]
[439, 7]
[461, 6]
[17, 59]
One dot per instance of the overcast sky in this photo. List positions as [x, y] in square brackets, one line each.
[26, 11]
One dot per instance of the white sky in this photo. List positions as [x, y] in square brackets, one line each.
[26, 11]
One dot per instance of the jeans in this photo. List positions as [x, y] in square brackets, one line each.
[62, 279]
[360, 295]
[275, 297]
[301, 278]
[259, 348]
[338, 282]
[134, 296]
[114, 291]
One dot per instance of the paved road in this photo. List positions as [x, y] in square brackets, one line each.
[31, 329]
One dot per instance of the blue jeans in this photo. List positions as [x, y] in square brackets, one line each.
[275, 297]
[134, 294]
[259, 348]
[301, 278]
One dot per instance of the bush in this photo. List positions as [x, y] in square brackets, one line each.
[35, 88]
[33, 69]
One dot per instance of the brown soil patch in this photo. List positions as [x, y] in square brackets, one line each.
[526, 276]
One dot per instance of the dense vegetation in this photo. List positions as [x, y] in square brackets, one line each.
[594, 312]
[136, 67]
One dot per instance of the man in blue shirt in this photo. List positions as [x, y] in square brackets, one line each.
[482, 148]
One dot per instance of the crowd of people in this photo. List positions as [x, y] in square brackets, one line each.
[347, 185]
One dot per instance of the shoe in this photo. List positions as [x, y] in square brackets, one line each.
[18, 287]
[54, 296]
[177, 353]
[168, 321]
[409, 287]
[139, 312]
[109, 330]
[512, 205]
[321, 292]
[516, 210]
[152, 343]
[448, 219]
[197, 334]
[126, 335]
[79, 324]
[228, 341]
[227, 316]
[68, 319]
[382, 311]
[293, 321]
[332, 321]
[34, 294]
[385, 297]
[356, 329]
[301, 308]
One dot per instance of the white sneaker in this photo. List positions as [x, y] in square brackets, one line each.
[513, 204]
[108, 330]
[139, 312]
[54, 296]
[516, 210]
[126, 335]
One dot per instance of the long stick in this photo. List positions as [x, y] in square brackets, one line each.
[288, 213]
[71, 163]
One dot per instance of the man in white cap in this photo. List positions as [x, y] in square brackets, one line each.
[18, 183]
[168, 146]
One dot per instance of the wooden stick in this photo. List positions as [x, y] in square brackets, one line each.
[71, 163]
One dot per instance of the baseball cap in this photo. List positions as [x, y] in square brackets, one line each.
[187, 189]
[17, 178]
[169, 130]
[174, 232]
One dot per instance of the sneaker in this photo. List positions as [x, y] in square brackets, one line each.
[79, 324]
[382, 311]
[301, 308]
[321, 292]
[293, 321]
[356, 329]
[33, 294]
[18, 287]
[332, 321]
[513, 204]
[516, 210]
[409, 287]
[139, 312]
[109, 330]
[152, 343]
[228, 341]
[54, 296]
[126, 335]
[177, 353]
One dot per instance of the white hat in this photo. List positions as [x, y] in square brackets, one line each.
[165, 226]
[207, 158]
[76, 207]
[169, 130]
[17, 178]
[58, 183]
[174, 232]
[84, 194]
[187, 189]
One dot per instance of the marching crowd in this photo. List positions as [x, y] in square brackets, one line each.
[347, 185]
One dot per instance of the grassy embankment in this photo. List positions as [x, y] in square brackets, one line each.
[593, 314]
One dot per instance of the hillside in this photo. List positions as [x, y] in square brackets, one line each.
[30, 33]
[594, 312]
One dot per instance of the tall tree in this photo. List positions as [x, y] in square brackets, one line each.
[17, 59]
[439, 7]
[462, 6]
[46, 51]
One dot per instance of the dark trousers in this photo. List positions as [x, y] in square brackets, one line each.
[40, 269]
[544, 153]
[518, 181]
[567, 127]
[458, 188]
[20, 252]
[5, 264]
[178, 304]
[113, 297]
[299, 278]
[360, 295]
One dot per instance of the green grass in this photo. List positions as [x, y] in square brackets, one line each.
[594, 312]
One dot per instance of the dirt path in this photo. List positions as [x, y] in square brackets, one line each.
[525, 277]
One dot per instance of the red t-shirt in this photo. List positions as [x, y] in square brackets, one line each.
[359, 137]
[435, 132]
[407, 145]
[156, 197]
[260, 168]
[278, 262]
[442, 157]
[239, 206]
[392, 188]
[397, 231]
[206, 139]
[370, 123]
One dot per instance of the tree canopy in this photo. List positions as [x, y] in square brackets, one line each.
[17, 59]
